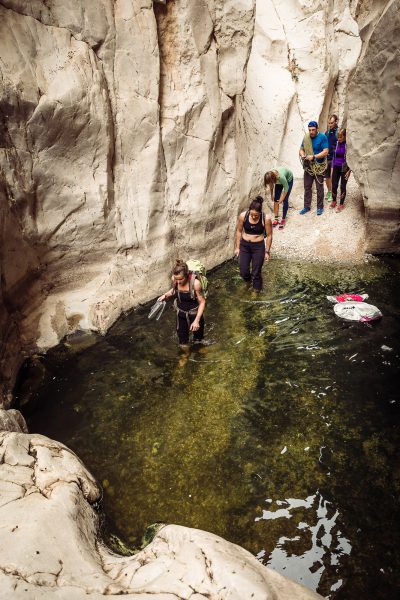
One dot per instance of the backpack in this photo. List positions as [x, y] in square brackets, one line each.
[197, 271]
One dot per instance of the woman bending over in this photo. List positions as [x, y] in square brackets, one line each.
[280, 182]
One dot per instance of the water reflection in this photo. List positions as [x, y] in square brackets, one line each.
[317, 544]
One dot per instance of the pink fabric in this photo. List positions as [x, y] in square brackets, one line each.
[351, 297]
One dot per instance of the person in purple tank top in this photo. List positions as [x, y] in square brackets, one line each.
[340, 171]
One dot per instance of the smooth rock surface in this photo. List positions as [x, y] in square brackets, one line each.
[50, 546]
[373, 121]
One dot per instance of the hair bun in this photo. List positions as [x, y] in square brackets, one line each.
[260, 199]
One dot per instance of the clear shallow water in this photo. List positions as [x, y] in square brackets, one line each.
[280, 435]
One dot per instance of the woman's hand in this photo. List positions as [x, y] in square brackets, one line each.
[195, 325]
[267, 255]
[162, 298]
[237, 251]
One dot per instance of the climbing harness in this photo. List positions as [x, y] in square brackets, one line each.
[314, 168]
[185, 313]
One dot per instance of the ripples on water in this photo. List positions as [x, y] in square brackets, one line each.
[279, 433]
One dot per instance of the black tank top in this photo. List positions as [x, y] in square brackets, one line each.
[185, 301]
[253, 228]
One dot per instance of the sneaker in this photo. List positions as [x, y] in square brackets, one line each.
[328, 196]
[340, 208]
[333, 204]
[275, 222]
[282, 224]
[304, 211]
[320, 211]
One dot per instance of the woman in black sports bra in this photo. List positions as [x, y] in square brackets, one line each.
[189, 309]
[253, 242]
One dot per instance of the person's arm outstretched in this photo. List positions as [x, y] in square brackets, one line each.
[168, 294]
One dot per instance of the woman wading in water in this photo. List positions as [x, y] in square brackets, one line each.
[253, 242]
[189, 304]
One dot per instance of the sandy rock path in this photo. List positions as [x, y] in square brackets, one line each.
[330, 237]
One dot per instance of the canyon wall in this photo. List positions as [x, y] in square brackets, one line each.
[118, 155]
[133, 132]
[373, 120]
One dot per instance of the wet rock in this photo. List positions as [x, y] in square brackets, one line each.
[12, 420]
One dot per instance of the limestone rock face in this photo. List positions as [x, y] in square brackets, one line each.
[50, 546]
[373, 120]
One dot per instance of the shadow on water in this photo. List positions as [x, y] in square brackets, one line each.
[279, 433]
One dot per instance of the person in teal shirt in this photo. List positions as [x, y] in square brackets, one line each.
[280, 182]
[314, 150]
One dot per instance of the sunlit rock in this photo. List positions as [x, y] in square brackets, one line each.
[301, 58]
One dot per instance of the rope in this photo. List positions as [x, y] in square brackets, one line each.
[314, 168]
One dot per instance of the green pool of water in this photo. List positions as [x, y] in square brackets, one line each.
[280, 433]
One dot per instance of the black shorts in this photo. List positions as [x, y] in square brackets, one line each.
[328, 171]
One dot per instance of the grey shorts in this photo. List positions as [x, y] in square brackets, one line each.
[328, 171]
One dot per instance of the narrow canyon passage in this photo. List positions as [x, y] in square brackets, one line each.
[279, 433]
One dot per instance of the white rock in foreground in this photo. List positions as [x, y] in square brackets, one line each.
[50, 546]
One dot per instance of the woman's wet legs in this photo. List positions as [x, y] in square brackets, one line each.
[245, 260]
[258, 257]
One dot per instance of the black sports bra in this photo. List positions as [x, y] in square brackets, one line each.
[254, 228]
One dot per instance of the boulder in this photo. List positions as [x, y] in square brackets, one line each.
[51, 546]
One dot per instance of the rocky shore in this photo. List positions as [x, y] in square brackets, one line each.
[51, 546]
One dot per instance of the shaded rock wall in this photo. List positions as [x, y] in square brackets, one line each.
[373, 120]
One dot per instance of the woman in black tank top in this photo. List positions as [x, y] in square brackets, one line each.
[189, 306]
[253, 242]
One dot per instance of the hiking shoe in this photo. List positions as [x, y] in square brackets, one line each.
[328, 196]
[282, 224]
[320, 211]
[333, 204]
[304, 211]
[275, 222]
[340, 208]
